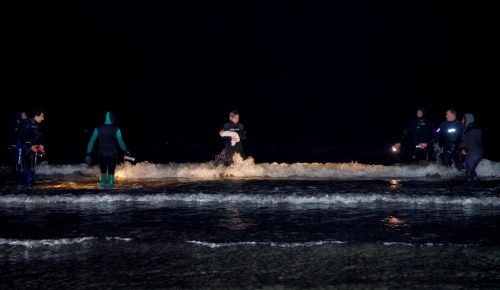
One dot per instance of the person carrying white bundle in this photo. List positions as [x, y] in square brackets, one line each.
[233, 133]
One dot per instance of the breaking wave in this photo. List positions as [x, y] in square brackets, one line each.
[249, 169]
[292, 199]
[55, 242]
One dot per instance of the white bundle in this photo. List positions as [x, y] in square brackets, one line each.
[231, 134]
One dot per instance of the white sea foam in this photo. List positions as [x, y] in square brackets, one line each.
[249, 169]
[214, 245]
[271, 244]
[54, 242]
[264, 199]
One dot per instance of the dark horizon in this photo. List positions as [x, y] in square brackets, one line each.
[326, 74]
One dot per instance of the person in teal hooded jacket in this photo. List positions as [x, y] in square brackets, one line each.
[108, 135]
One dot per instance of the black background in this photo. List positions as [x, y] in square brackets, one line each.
[313, 80]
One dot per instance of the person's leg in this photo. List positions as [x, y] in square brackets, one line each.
[425, 154]
[103, 165]
[111, 171]
[446, 157]
[229, 152]
[457, 159]
[471, 162]
[239, 149]
[30, 168]
[20, 166]
[414, 153]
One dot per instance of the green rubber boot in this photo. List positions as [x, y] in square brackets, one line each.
[103, 179]
[111, 181]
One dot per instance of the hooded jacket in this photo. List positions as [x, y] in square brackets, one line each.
[108, 134]
[472, 137]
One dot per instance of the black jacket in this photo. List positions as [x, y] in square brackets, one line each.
[449, 133]
[472, 139]
[107, 138]
[418, 131]
[31, 132]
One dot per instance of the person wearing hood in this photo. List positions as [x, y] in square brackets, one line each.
[416, 142]
[233, 133]
[108, 135]
[449, 134]
[471, 146]
[29, 147]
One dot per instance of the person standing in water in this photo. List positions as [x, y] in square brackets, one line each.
[233, 133]
[108, 135]
[13, 139]
[29, 147]
[449, 135]
[416, 140]
[471, 146]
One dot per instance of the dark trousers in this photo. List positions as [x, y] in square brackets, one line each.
[231, 150]
[25, 165]
[107, 163]
[471, 161]
[451, 154]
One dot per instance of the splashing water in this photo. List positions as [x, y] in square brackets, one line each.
[249, 169]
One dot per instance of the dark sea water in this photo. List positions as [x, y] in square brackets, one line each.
[253, 226]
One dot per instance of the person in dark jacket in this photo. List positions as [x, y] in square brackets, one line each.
[29, 147]
[471, 146]
[416, 143]
[108, 135]
[13, 130]
[449, 134]
[233, 133]
[13, 138]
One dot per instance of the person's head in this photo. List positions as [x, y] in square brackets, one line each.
[234, 116]
[468, 119]
[20, 116]
[38, 115]
[420, 112]
[451, 115]
[110, 118]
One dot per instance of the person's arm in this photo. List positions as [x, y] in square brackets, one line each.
[464, 143]
[403, 138]
[120, 140]
[242, 133]
[92, 140]
[225, 138]
[436, 135]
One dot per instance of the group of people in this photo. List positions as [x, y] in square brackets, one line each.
[460, 142]
[26, 145]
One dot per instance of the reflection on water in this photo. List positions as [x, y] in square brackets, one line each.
[394, 221]
[233, 220]
[252, 234]
[395, 183]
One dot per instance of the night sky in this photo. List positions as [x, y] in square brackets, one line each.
[311, 73]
